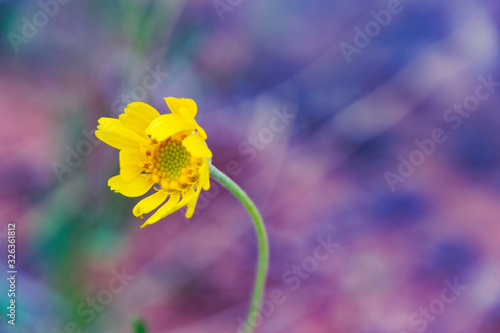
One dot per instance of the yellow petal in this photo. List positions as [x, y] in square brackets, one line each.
[164, 210]
[150, 203]
[182, 106]
[196, 146]
[129, 164]
[167, 125]
[204, 175]
[201, 132]
[134, 188]
[187, 109]
[191, 205]
[114, 133]
[138, 116]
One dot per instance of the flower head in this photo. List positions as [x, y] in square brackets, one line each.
[167, 152]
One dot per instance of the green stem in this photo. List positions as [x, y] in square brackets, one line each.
[262, 242]
[139, 325]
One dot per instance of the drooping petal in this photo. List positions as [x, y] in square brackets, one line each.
[164, 210]
[182, 106]
[114, 133]
[168, 125]
[150, 203]
[196, 146]
[191, 205]
[134, 188]
[129, 164]
[138, 116]
[204, 173]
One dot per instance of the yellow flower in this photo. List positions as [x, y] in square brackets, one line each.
[167, 152]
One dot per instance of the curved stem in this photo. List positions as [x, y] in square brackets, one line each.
[262, 242]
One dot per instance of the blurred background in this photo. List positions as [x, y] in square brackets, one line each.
[366, 132]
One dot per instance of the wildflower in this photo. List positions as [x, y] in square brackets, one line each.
[167, 152]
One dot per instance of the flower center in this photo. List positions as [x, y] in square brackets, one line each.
[171, 158]
[170, 164]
